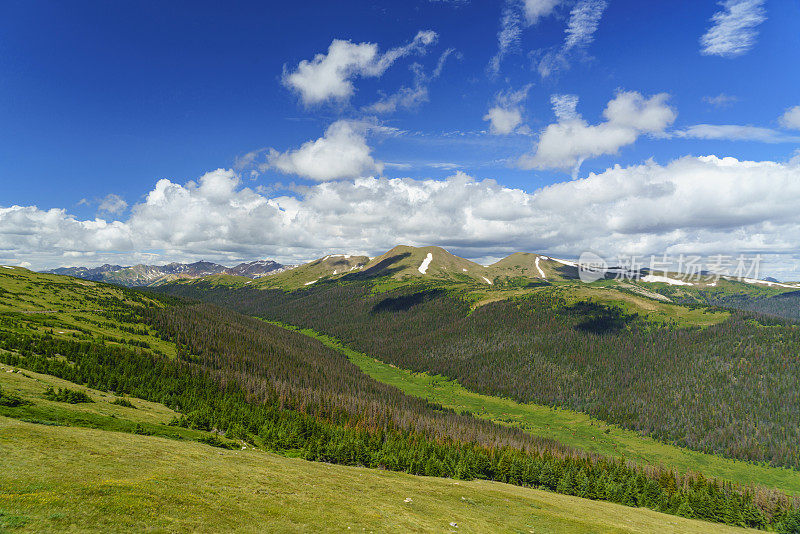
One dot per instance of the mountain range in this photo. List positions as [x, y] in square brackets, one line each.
[148, 275]
[401, 263]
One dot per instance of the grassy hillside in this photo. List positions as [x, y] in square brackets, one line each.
[429, 263]
[71, 308]
[526, 265]
[566, 426]
[56, 479]
[330, 267]
[132, 471]
[22, 290]
[633, 298]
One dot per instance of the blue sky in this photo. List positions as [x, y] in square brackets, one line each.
[100, 99]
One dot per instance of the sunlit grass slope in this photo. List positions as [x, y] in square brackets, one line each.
[66, 307]
[57, 479]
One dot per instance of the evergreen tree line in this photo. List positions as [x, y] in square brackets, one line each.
[258, 383]
[729, 389]
[760, 300]
[785, 305]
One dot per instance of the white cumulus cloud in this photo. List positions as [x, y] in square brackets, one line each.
[503, 121]
[791, 118]
[693, 205]
[113, 204]
[536, 9]
[342, 152]
[329, 76]
[505, 116]
[568, 142]
[733, 31]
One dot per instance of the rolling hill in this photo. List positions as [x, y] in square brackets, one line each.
[534, 267]
[411, 307]
[659, 368]
[58, 479]
[660, 297]
[517, 275]
[330, 267]
[432, 263]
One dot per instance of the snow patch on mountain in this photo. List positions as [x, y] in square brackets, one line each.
[541, 272]
[423, 268]
[776, 284]
[651, 278]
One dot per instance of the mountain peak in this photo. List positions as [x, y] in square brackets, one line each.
[404, 261]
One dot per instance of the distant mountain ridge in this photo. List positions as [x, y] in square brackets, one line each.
[403, 263]
[145, 275]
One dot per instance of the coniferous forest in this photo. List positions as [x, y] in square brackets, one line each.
[782, 305]
[729, 389]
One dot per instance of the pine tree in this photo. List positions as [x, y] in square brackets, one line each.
[583, 486]
[790, 523]
[566, 484]
[684, 510]
[547, 476]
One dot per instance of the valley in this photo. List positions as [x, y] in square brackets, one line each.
[401, 363]
[565, 426]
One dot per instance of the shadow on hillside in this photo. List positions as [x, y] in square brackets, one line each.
[599, 319]
[405, 302]
[567, 271]
[382, 268]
